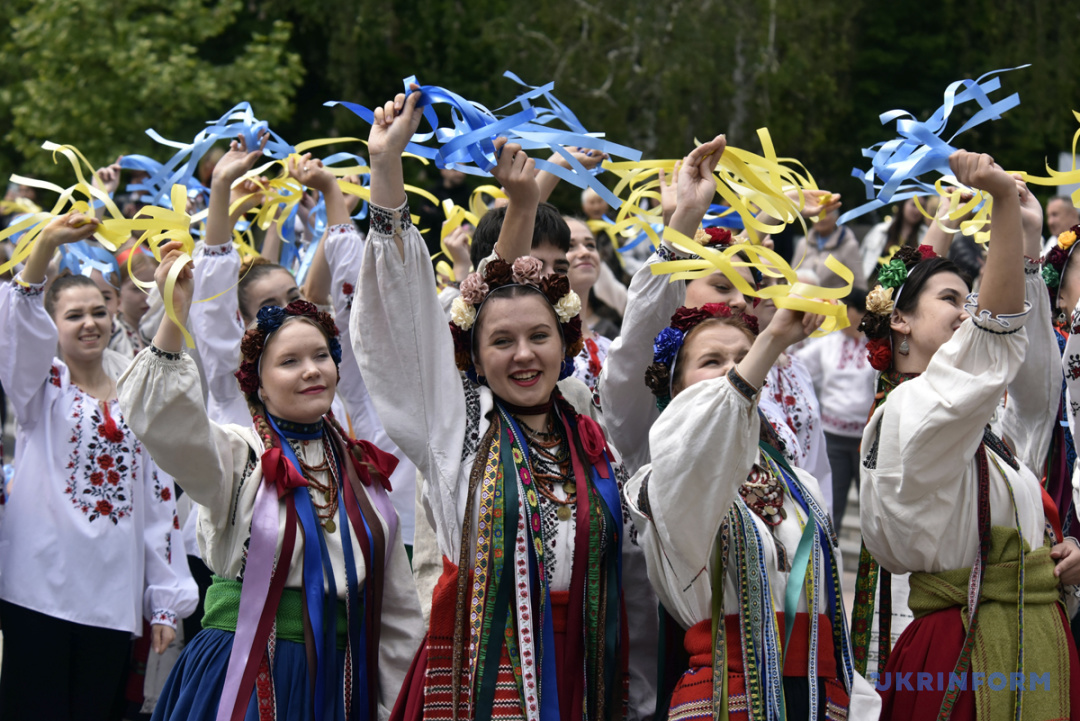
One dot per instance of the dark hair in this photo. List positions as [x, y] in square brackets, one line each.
[920, 275]
[52, 295]
[880, 326]
[252, 269]
[548, 228]
[734, 321]
[856, 299]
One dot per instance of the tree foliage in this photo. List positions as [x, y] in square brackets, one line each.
[653, 75]
[97, 73]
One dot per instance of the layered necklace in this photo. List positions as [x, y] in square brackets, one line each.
[327, 510]
[550, 456]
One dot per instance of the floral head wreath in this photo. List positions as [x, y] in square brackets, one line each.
[1056, 260]
[881, 301]
[525, 271]
[268, 321]
[659, 375]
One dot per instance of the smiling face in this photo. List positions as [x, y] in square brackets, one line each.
[712, 349]
[297, 374]
[518, 348]
[274, 287]
[716, 288]
[583, 257]
[938, 313]
[83, 324]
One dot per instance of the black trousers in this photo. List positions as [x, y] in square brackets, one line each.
[56, 670]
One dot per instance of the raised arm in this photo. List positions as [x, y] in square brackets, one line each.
[229, 169]
[399, 333]
[516, 172]
[161, 397]
[1004, 272]
[28, 336]
[546, 181]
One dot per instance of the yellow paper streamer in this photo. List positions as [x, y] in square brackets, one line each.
[793, 295]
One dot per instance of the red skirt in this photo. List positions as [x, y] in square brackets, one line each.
[692, 698]
[932, 644]
[428, 689]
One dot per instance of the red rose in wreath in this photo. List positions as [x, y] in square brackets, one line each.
[879, 353]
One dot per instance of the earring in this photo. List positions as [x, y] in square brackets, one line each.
[904, 349]
[1061, 319]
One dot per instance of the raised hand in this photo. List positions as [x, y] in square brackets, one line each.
[1031, 217]
[108, 178]
[395, 124]
[351, 201]
[516, 172]
[238, 160]
[184, 289]
[457, 243]
[586, 156]
[669, 192]
[68, 228]
[697, 185]
[979, 171]
[788, 327]
[311, 172]
[250, 192]
[817, 202]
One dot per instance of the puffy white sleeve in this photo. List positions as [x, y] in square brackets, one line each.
[1070, 365]
[162, 404]
[28, 339]
[170, 593]
[629, 406]
[406, 355]
[1031, 409]
[679, 502]
[216, 324]
[918, 445]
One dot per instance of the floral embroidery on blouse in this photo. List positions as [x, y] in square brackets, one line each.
[347, 291]
[54, 376]
[223, 249]
[163, 617]
[100, 478]
[382, 219]
[162, 492]
[29, 291]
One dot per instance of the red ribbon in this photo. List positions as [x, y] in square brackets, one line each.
[383, 462]
[278, 472]
[593, 442]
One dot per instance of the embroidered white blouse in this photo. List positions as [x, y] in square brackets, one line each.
[344, 251]
[844, 381]
[629, 405]
[219, 466]
[704, 446]
[920, 474]
[789, 398]
[405, 352]
[90, 522]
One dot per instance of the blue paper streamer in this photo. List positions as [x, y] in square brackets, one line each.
[467, 144]
[897, 164]
[181, 167]
[81, 258]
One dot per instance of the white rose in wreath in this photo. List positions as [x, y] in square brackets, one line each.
[462, 314]
[568, 306]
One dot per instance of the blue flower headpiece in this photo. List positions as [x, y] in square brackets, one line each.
[269, 319]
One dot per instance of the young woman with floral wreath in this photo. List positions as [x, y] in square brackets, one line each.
[947, 500]
[319, 624]
[527, 620]
[86, 542]
[739, 544]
